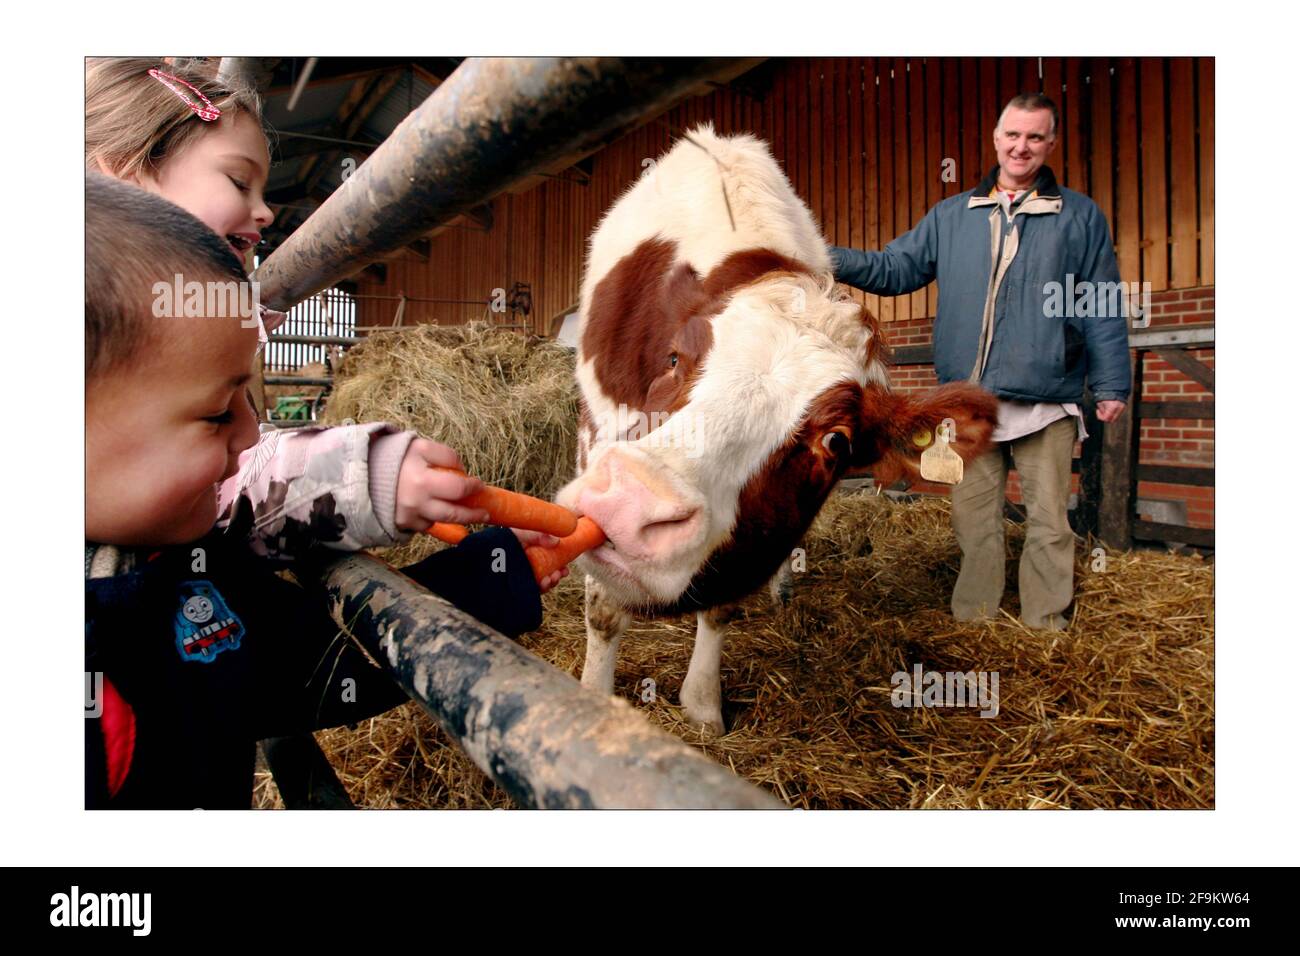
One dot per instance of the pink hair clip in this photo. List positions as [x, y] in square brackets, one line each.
[207, 112]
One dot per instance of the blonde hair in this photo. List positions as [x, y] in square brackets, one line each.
[134, 123]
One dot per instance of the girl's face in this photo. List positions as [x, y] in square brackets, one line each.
[219, 178]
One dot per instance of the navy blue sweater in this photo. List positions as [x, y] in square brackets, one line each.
[202, 665]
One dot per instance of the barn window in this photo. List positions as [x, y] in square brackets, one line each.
[331, 312]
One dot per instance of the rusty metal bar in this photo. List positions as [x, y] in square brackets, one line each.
[437, 325]
[416, 298]
[494, 122]
[547, 740]
[317, 339]
[312, 380]
[252, 71]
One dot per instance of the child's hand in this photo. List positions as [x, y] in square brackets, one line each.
[537, 538]
[426, 495]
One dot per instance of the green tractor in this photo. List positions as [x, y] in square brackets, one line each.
[293, 408]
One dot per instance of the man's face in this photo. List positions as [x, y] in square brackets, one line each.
[164, 430]
[1023, 142]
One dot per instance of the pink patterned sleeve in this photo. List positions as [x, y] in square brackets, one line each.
[310, 487]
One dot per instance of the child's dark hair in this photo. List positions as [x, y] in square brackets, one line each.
[135, 239]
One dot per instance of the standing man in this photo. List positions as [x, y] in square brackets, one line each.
[1004, 255]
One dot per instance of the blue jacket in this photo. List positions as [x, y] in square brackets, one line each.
[1018, 330]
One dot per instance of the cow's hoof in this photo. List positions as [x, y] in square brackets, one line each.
[706, 724]
[781, 593]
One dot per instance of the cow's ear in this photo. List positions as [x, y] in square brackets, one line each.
[906, 424]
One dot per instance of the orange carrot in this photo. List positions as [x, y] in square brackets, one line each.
[451, 533]
[549, 560]
[515, 510]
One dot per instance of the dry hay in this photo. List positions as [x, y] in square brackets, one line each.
[1116, 712]
[506, 403]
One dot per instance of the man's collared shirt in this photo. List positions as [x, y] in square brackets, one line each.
[1018, 419]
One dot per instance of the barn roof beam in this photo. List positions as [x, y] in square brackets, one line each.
[491, 124]
[331, 70]
[362, 100]
[324, 140]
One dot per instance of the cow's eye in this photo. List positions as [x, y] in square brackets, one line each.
[837, 443]
[672, 360]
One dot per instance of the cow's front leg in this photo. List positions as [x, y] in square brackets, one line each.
[606, 622]
[702, 689]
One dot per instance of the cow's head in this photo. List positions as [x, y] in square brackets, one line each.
[724, 408]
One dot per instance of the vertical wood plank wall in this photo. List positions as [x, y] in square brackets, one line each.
[865, 141]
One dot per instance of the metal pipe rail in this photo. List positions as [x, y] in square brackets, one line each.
[291, 339]
[494, 122]
[547, 740]
[434, 325]
[315, 381]
[419, 298]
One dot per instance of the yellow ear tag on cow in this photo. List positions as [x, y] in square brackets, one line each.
[939, 462]
[921, 437]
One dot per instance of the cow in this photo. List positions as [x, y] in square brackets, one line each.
[726, 384]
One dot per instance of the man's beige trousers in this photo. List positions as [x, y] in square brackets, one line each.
[1047, 564]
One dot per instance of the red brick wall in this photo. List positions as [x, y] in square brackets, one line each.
[1187, 442]
[1177, 441]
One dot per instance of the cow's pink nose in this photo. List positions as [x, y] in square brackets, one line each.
[640, 513]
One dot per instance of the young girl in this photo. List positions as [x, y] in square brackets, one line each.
[177, 132]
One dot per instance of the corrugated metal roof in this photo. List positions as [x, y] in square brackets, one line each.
[316, 113]
[316, 107]
[406, 95]
[315, 110]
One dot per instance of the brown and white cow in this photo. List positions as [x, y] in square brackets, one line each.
[727, 384]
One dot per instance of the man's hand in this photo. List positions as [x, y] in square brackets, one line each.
[1109, 410]
[537, 538]
[426, 494]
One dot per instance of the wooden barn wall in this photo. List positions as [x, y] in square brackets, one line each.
[864, 141]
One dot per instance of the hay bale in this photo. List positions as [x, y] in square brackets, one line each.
[506, 403]
[1118, 711]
